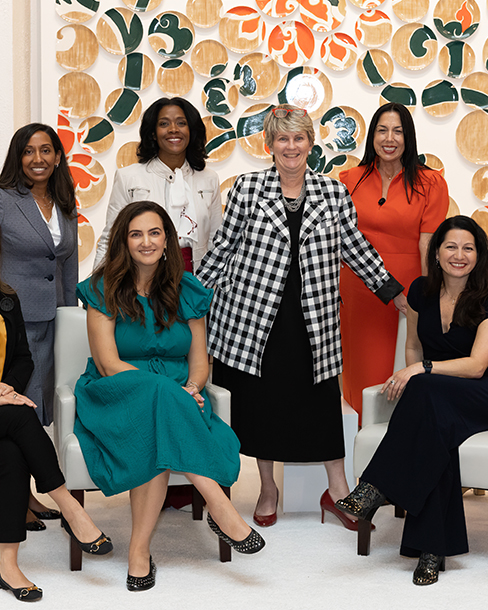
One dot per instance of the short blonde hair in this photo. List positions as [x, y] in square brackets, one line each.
[273, 125]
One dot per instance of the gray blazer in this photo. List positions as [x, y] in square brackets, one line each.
[43, 276]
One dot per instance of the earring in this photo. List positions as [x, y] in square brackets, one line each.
[437, 263]
[57, 165]
[164, 254]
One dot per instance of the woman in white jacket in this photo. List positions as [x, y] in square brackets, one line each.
[171, 171]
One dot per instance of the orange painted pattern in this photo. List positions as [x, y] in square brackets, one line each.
[291, 44]
[82, 177]
[464, 16]
[321, 15]
[66, 133]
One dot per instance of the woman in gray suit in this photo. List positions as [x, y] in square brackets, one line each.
[38, 241]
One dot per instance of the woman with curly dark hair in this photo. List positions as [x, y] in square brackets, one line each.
[171, 171]
[141, 404]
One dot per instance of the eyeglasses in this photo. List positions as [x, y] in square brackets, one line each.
[281, 113]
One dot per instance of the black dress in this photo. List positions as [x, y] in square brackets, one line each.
[282, 415]
[417, 464]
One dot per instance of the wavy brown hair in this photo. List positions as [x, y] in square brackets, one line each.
[119, 272]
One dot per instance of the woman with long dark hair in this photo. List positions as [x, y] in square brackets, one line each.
[141, 404]
[444, 393]
[399, 202]
[171, 171]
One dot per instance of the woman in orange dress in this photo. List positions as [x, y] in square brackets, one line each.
[399, 203]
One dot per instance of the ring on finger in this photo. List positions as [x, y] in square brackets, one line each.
[392, 382]
[15, 395]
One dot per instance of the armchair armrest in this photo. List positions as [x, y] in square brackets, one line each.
[376, 408]
[220, 401]
[64, 415]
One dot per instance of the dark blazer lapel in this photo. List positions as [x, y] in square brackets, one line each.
[273, 205]
[29, 209]
[314, 209]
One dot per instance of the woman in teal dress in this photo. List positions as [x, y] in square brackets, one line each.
[141, 404]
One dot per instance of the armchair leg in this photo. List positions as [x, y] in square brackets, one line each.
[399, 512]
[197, 504]
[224, 548]
[478, 492]
[364, 536]
[75, 551]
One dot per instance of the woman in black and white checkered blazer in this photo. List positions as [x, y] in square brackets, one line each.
[274, 324]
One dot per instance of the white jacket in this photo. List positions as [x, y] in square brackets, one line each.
[150, 181]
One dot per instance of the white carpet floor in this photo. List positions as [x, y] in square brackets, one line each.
[304, 566]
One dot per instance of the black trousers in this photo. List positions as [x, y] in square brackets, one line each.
[417, 464]
[25, 449]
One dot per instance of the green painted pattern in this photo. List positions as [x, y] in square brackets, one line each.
[338, 161]
[471, 97]
[91, 5]
[218, 141]
[456, 58]
[244, 73]
[316, 159]
[400, 95]
[418, 39]
[172, 64]
[252, 124]
[217, 101]
[454, 29]
[169, 25]
[345, 127]
[133, 71]
[217, 69]
[283, 93]
[444, 91]
[123, 107]
[372, 72]
[132, 35]
[98, 132]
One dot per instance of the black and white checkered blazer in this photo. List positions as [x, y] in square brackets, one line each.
[250, 257]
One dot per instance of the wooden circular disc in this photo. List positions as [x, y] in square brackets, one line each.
[456, 19]
[75, 11]
[123, 106]
[375, 68]
[480, 216]
[250, 132]
[204, 13]
[472, 137]
[339, 164]
[127, 154]
[433, 162]
[342, 129]
[474, 90]
[485, 54]
[171, 34]
[86, 238]
[453, 209]
[322, 15]
[76, 47]
[79, 95]
[291, 44]
[316, 160]
[257, 75]
[66, 133]
[119, 31]
[221, 138]
[175, 77]
[410, 10]
[242, 29]
[209, 58]
[479, 184]
[220, 96]
[225, 187]
[457, 59]
[136, 71]
[339, 51]
[95, 134]
[373, 29]
[306, 88]
[440, 98]
[414, 46]
[142, 6]
[277, 8]
[89, 179]
[399, 93]
[367, 4]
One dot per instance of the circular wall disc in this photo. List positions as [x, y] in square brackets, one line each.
[433, 162]
[250, 131]
[136, 71]
[399, 93]
[142, 6]
[316, 160]
[373, 29]
[171, 34]
[291, 44]
[220, 96]
[119, 31]
[242, 29]
[95, 134]
[453, 209]
[175, 77]
[123, 106]
[479, 184]
[322, 15]
[257, 75]
[79, 95]
[277, 8]
[375, 68]
[306, 88]
[414, 46]
[474, 90]
[472, 137]
[339, 51]
[86, 238]
[76, 47]
[342, 129]
[410, 10]
[456, 19]
[66, 133]
[209, 58]
[367, 4]
[204, 13]
[440, 98]
[127, 154]
[76, 11]
[339, 164]
[485, 55]
[225, 187]
[89, 179]
[221, 138]
[457, 59]
[480, 216]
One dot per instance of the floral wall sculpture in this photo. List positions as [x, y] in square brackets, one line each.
[235, 59]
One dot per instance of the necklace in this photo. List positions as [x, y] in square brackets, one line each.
[293, 206]
[47, 205]
[453, 300]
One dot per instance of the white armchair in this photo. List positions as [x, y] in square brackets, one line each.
[71, 351]
[377, 411]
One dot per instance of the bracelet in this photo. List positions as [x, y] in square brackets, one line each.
[190, 383]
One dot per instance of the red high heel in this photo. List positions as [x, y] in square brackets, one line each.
[267, 520]
[326, 503]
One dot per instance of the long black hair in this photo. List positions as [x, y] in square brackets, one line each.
[148, 147]
[410, 157]
[470, 307]
[60, 185]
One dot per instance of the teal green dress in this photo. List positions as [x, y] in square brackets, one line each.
[136, 424]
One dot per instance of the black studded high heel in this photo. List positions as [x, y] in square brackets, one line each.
[428, 567]
[101, 546]
[23, 594]
[251, 544]
[143, 583]
[362, 502]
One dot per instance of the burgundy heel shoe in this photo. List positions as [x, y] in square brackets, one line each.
[327, 504]
[267, 520]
